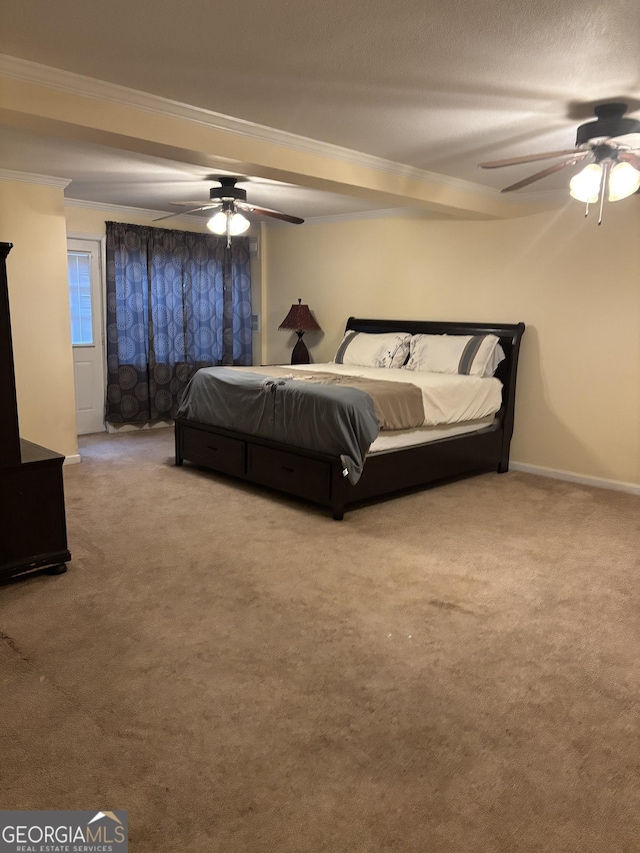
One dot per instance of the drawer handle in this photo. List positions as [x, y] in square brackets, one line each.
[289, 470]
[212, 447]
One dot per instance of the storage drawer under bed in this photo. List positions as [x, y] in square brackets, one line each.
[215, 451]
[298, 475]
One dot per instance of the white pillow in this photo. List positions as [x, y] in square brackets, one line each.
[494, 361]
[474, 355]
[367, 349]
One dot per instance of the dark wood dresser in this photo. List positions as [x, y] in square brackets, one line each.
[33, 533]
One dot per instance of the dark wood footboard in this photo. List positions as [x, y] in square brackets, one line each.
[319, 478]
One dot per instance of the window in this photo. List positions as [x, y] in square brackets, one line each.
[80, 298]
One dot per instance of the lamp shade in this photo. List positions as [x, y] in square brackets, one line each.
[585, 186]
[624, 180]
[218, 223]
[300, 319]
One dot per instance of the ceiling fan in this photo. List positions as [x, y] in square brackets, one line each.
[610, 149]
[229, 200]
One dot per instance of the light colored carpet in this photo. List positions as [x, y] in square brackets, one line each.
[454, 670]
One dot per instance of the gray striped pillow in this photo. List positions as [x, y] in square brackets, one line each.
[473, 355]
[366, 349]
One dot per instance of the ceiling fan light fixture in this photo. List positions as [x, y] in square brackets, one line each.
[624, 181]
[228, 222]
[585, 186]
[238, 224]
[218, 223]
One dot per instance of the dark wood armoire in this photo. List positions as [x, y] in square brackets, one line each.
[33, 533]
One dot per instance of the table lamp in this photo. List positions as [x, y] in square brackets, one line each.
[300, 320]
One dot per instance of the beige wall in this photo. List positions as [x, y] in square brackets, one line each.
[32, 218]
[575, 284]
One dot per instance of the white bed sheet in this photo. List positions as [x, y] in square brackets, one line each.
[395, 439]
[447, 398]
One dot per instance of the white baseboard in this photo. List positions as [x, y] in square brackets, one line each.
[73, 459]
[557, 474]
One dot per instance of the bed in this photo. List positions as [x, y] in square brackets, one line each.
[328, 472]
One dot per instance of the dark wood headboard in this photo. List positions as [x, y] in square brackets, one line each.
[510, 335]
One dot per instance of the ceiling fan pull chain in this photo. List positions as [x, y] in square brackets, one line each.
[603, 184]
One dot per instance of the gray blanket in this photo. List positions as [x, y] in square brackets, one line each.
[398, 405]
[338, 420]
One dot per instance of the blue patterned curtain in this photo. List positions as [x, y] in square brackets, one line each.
[176, 301]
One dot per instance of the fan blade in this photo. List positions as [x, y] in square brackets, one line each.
[265, 211]
[185, 212]
[543, 174]
[168, 216]
[631, 157]
[531, 158]
[201, 205]
[627, 140]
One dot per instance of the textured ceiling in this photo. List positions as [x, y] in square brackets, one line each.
[438, 85]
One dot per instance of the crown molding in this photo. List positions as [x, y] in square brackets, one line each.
[382, 213]
[128, 211]
[55, 78]
[30, 178]
[548, 197]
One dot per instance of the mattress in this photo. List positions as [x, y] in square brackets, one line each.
[397, 439]
[448, 398]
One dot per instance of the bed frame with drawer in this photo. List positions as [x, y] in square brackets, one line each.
[318, 477]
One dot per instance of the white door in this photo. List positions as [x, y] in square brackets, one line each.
[85, 297]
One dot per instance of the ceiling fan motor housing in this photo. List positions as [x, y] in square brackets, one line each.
[609, 124]
[228, 190]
